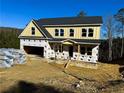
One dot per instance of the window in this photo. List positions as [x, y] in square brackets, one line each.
[90, 34]
[89, 51]
[61, 32]
[84, 32]
[33, 31]
[71, 32]
[83, 50]
[56, 32]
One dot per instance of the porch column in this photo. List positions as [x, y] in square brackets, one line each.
[61, 47]
[78, 51]
[61, 51]
[55, 50]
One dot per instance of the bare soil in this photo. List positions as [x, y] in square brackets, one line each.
[38, 76]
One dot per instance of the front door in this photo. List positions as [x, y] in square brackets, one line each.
[70, 51]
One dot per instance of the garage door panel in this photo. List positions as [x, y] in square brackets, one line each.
[34, 50]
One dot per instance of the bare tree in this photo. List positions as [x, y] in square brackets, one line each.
[109, 25]
[81, 14]
[120, 17]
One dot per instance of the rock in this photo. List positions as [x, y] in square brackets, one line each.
[78, 85]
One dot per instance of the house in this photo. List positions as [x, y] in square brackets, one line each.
[75, 38]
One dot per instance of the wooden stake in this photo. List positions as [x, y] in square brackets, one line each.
[78, 51]
[67, 64]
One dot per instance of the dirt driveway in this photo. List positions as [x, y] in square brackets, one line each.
[38, 71]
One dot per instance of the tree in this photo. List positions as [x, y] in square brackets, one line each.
[9, 37]
[81, 14]
[120, 17]
[109, 25]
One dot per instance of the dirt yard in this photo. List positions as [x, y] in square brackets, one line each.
[38, 76]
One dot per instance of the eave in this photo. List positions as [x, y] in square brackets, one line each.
[73, 25]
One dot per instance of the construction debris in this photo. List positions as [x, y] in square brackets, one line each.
[9, 57]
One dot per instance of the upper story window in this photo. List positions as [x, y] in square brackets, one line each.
[61, 32]
[71, 32]
[84, 32]
[33, 30]
[90, 32]
[56, 32]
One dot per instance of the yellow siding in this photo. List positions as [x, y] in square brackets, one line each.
[77, 32]
[27, 31]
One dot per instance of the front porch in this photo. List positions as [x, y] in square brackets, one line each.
[69, 49]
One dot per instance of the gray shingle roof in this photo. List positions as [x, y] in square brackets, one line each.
[32, 37]
[76, 40]
[43, 30]
[70, 20]
[67, 21]
[64, 21]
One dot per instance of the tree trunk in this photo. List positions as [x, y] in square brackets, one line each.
[110, 48]
[122, 47]
[110, 44]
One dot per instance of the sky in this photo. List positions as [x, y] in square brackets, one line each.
[17, 13]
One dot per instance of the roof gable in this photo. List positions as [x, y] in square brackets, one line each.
[43, 29]
[68, 40]
[27, 31]
[43, 32]
[66, 21]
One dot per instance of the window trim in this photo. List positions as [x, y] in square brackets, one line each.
[90, 29]
[71, 32]
[57, 32]
[87, 32]
[82, 32]
[32, 30]
[61, 32]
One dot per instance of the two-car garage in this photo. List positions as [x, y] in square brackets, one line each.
[34, 50]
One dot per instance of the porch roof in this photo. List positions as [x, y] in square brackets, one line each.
[32, 37]
[76, 41]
